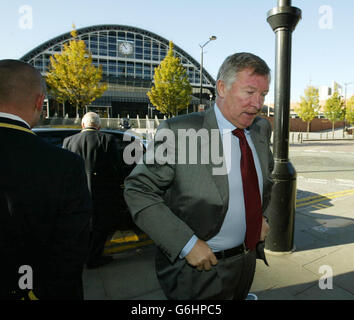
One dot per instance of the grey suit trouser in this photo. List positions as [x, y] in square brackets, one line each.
[230, 279]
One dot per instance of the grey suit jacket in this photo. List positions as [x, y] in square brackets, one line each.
[173, 201]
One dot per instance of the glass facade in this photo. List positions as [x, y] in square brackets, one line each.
[128, 57]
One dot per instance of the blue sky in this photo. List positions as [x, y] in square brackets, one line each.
[323, 46]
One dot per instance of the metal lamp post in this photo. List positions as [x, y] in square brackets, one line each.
[281, 211]
[210, 98]
[201, 66]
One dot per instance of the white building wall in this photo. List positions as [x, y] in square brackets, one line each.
[326, 91]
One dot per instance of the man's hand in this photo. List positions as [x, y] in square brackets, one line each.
[201, 256]
[265, 229]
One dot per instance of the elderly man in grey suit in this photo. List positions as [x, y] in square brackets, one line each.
[207, 224]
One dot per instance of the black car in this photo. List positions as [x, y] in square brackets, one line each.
[56, 136]
[130, 232]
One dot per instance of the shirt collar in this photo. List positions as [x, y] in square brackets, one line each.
[225, 126]
[13, 117]
[89, 129]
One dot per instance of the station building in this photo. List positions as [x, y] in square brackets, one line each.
[128, 56]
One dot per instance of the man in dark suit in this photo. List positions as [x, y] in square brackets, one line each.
[103, 168]
[195, 210]
[45, 205]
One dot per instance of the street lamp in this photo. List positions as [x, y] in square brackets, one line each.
[201, 66]
[345, 102]
[281, 210]
[210, 98]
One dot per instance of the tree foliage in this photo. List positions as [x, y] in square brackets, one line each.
[309, 105]
[171, 90]
[334, 109]
[73, 77]
[349, 112]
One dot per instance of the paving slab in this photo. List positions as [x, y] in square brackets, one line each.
[316, 293]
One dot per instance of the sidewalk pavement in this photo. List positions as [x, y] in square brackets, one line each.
[324, 236]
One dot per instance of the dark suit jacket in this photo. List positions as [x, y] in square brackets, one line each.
[45, 210]
[171, 202]
[103, 168]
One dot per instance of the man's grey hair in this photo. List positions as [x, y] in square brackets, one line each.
[91, 119]
[238, 62]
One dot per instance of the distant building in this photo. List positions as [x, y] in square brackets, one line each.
[128, 57]
[268, 109]
[326, 92]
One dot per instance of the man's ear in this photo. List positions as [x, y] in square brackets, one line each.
[39, 102]
[221, 88]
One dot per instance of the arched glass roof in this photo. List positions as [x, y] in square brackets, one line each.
[124, 52]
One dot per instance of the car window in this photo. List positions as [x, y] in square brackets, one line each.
[56, 137]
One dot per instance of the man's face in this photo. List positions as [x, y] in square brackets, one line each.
[241, 103]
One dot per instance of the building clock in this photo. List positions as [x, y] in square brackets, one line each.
[125, 48]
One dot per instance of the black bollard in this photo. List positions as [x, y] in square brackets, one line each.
[281, 211]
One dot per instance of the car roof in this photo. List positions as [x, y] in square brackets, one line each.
[50, 129]
[54, 129]
[112, 131]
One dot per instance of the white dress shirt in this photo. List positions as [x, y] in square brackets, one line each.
[13, 117]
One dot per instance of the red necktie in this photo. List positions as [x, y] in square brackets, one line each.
[253, 205]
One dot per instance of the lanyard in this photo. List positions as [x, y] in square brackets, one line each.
[13, 126]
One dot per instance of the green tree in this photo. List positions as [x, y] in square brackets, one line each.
[309, 105]
[349, 112]
[334, 109]
[171, 90]
[73, 77]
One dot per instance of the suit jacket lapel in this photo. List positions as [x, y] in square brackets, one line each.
[221, 180]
